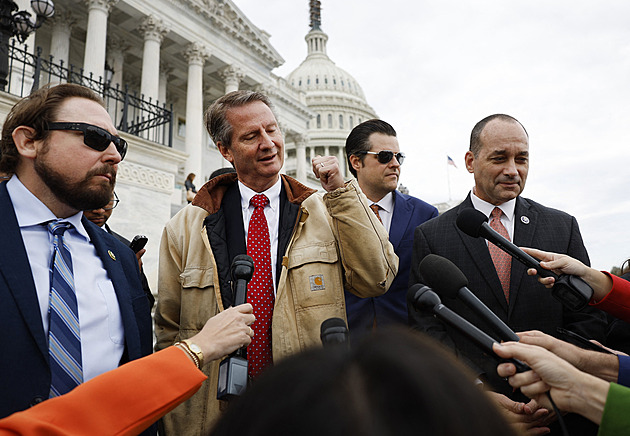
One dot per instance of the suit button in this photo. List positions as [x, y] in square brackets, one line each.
[35, 401]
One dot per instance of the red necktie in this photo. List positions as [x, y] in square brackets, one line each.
[260, 288]
[502, 261]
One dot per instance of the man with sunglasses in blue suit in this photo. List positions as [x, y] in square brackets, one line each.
[71, 302]
[374, 158]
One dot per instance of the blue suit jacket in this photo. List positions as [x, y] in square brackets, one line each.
[390, 308]
[24, 368]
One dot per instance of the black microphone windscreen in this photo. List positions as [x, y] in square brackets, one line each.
[333, 323]
[242, 267]
[470, 220]
[442, 275]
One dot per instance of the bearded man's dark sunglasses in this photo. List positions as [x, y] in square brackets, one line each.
[384, 156]
[94, 137]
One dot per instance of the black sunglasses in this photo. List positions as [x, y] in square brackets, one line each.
[384, 156]
[94, 137]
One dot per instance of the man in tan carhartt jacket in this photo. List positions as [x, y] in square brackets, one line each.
[324, 244]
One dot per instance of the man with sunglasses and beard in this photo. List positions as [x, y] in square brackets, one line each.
[374, 158]
[498, 158]
[72, 302]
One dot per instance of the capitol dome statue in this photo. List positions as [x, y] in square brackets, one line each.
[333, 95]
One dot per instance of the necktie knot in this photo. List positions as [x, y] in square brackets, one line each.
[375, 208]
[58, 228]
[259, 200]
[496, 213]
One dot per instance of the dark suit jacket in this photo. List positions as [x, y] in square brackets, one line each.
[24, 369]
[143, 278]
[390, 308]
[531, 304]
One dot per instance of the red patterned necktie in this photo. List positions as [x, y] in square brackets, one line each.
[260, 288]
[375, 207]
[502, 261]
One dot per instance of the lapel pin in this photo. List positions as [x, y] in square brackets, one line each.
[524, 220]
[111, 254]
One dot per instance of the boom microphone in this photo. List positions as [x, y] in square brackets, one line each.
[424, 299]
[448, 281]
[334, 332]
[570, 290]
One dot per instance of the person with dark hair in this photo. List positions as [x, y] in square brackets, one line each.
[374, 158]
[395, 382]
[221, 171]
[306, 248]
[498, 158]
[71, 294]
[191, 190]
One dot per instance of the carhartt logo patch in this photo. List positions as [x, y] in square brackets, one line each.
[317, 282]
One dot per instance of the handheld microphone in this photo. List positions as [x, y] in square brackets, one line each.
[570, 290]
[242, 271]
[233, 370]
[424, 299]
[448, 281]
[334, 332]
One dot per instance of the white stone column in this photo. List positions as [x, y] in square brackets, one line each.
[62, 23]
[326, 151]
[341, 155]
[22, 82]
[232, 76]
[165, 71]
[96, 38]
[300, 157]
[153, 30]
[116, 49]
[196, 55]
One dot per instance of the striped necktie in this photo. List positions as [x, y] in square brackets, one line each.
[64, 336]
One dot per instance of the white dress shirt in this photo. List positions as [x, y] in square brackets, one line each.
[272, 214]
[507, 218]
[102, 333]
[386, 210]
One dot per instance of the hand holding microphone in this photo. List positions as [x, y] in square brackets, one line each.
[423, 298]
[233, 370]
[570, 290]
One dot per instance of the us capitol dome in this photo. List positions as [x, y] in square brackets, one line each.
[332, 94]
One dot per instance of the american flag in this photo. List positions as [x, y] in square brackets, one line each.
[450, 161]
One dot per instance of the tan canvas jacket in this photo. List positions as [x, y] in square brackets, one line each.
[337, 238]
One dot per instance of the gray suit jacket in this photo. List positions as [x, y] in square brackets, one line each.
[531, 305]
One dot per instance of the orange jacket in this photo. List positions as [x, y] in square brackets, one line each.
[124, 401]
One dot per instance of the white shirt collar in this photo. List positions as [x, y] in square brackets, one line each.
[273, 194]
[386, 203]
[30, 211]
[483, 206]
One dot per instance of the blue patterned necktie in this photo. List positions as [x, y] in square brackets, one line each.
[64, 336]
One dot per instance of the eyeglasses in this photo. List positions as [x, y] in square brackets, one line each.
[384, 156]
[94, 137]
[112, 203]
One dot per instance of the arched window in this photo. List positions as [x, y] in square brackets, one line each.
[308, 81]
[350, 122]
[317, 80]
[330, 121]
[341, 121]
[319, 121]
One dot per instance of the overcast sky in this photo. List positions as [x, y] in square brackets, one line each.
[434, 68]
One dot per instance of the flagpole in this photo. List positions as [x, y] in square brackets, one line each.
[448, 179]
